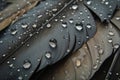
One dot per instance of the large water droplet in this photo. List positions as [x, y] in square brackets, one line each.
[26, 64]
[79, 27]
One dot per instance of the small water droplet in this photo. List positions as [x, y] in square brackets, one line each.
[26, 64]
[111, 33]
[4, 55]
[88, 26]
[117, 18]
[101, 51]
[89, 2]
[11, 65]
[1, 42]
[48, 55]
[64, 24]
[13, 31]
[24, 26]
[110, 40]
[74, 6]
[116, 46]
[78, 63]
[79, 27]
[20, 78]
[48, 25]
[34, 25]
[53, 43]
[95, 66]
[71, 21]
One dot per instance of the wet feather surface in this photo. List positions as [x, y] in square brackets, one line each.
[52, 30]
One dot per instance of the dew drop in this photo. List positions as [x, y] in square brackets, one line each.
[117, 18]
[20, 78]
[79, 27]
[53, 43]
[116, 46]
[101, 51]
[34, 25]
[110, 40]
[13, 31]
[89, 2]
[26, 64]
[88, 26]
[64, 24]
[74, 6]
[24, 26]
[78, 63]
[48, 55]
[71, 21]
[1, 42]
[11, 65]
[111, 33]
[48, 25]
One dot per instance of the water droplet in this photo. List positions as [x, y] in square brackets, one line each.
[116, 46]
[111, 33]
[34, 25]
[78, 63]
[64, 24]
[20, 78]
[4, 55]
[71, 21]
[89, 2]
[88, 26]
[55, 9]
[48, 55]
[95, 66]
[48, 25]
[26, 64]
[13, 31]
[24, 26]
[101, 51]
[110, 40]
[74, 6]
[117, 18]
[53, 43]
[79, 27]
[11, 65]
[1, 42]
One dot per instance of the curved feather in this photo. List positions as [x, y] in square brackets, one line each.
[43, 36]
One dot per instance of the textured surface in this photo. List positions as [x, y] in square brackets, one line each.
[50, 31]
